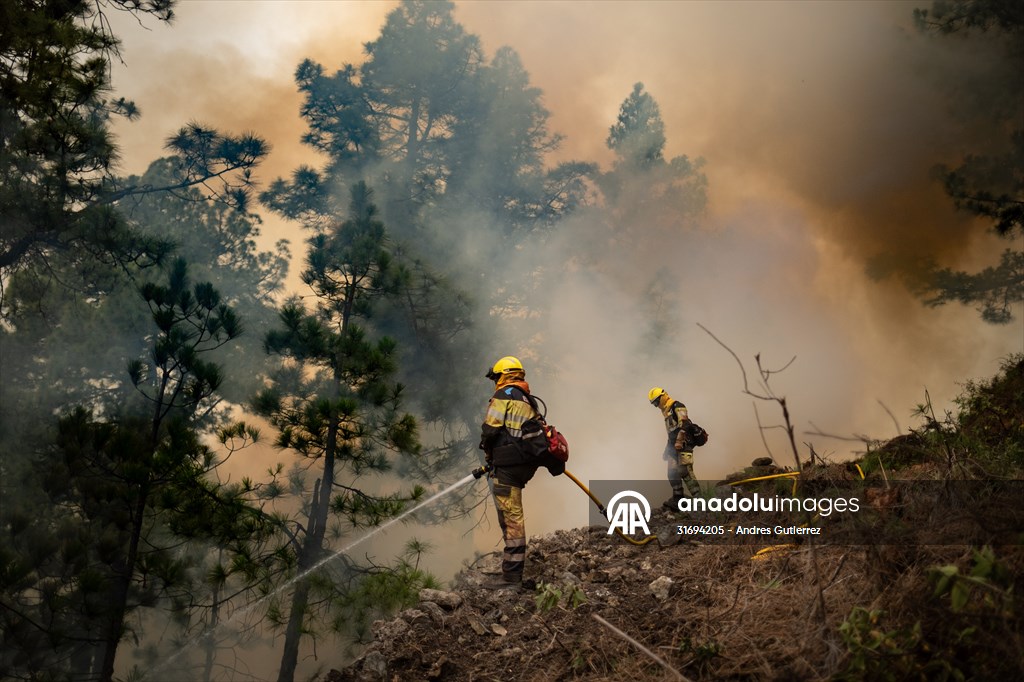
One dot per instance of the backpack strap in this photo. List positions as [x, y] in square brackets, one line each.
[533, 400]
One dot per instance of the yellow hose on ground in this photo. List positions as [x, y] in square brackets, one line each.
[764, 552]
[604, 513]
[792, 474]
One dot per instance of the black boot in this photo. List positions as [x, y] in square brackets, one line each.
[672, 503]
[507, 581]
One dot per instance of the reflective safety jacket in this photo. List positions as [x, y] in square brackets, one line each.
[502, 432]
[676, 417]
[508, 410]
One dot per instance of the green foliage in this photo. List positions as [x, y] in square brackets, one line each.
[988, 183]
[59, 195]
[191, 321]
[992, 413]
[986, 432]
[988, 580]
[646, 199]
[985, 436]
[219, 241]
[127, 491]
[879, 654]
[656, 192]
[638, 136]
[454, 144]
[334, 399]
[701, 653]
[382, 590]
[548, 596]
[995, 289]
[967, 612]
[897, 453]
[952, 16]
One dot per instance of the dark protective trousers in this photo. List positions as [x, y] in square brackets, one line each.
[511, 518]
[680, 473]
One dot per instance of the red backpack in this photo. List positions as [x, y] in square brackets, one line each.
[557, 444]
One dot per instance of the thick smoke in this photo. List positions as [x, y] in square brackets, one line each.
[819, 124]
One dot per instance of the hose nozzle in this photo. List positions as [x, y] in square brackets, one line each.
[477, 473]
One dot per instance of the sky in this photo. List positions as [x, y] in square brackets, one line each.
[818, 124]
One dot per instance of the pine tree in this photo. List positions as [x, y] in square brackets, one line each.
[334, 400]
[643, 185]
[988, 184]
[454, 146]
[58, 187]
[127, 485]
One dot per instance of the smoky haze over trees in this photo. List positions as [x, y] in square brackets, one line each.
[141, 321]
[59, 193]
[108, 397]
[334, 401]
[453, 147]
[989, 183]
[121, 486]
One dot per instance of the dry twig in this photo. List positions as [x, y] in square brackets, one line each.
[653, 656]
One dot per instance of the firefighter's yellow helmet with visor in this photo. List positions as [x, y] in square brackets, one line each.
[504, 366]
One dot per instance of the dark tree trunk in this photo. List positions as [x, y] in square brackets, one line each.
[119, 596]
[312, 548]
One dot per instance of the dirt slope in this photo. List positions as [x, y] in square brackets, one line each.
[709, 612]
[929, 587]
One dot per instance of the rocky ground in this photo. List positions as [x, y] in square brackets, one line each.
[927, 584]
[604, 609]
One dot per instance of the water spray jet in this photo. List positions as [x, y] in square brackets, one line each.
[475, 475]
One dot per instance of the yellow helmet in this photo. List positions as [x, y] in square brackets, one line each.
[504, 366]
[654, 395]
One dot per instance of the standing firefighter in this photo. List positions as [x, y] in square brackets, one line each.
[515, 445]
[683, 435]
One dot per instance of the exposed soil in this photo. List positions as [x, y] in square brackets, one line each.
[722, 611]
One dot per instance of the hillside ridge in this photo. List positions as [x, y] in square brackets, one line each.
[930, 591]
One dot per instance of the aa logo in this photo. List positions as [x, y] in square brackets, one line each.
[628, 516]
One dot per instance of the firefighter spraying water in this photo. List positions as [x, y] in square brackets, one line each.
[516, 441]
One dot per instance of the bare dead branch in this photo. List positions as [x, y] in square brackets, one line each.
[824, 434]
[767, 373]
[743, 370]
[892, 416]
[761, 429]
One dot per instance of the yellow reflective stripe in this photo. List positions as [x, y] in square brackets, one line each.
[674, 416]
[681, 414]
[508, 413]
[495, 414]
[518, 412]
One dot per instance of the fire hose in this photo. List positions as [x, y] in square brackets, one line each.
[604, 512]
[477, 473]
